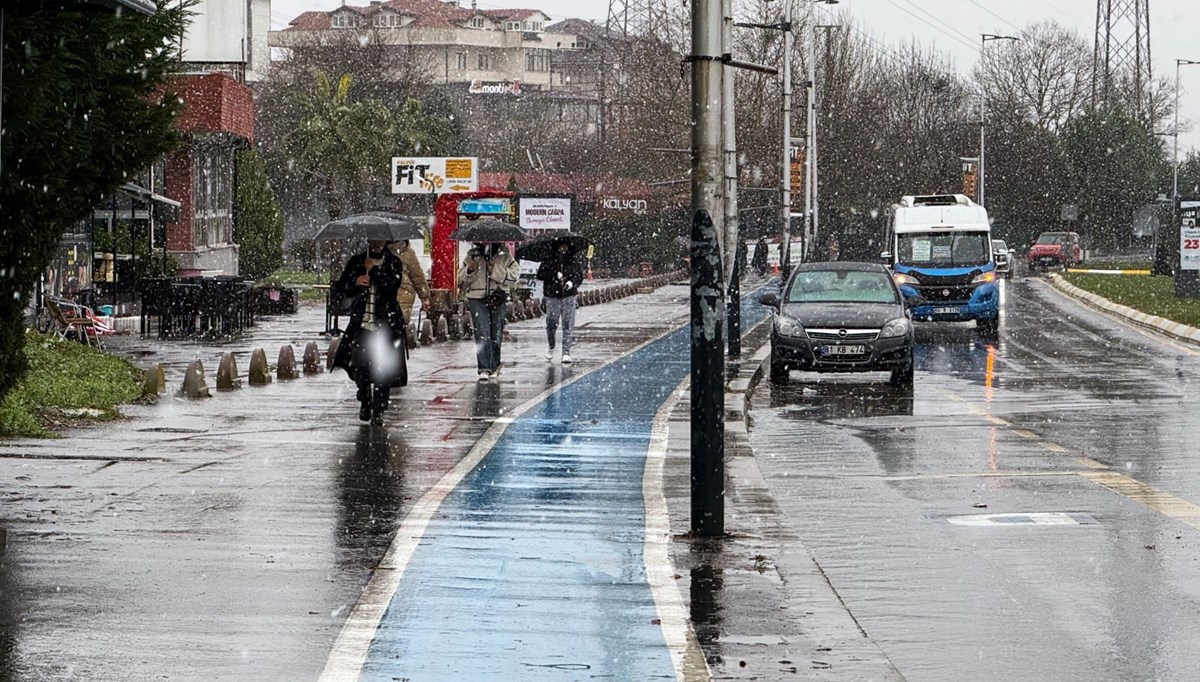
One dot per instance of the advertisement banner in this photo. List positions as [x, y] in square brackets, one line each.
[545, 213]
[1189, 239]
[434, 175]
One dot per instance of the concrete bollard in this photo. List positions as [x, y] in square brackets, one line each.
[286, 367]
[260, 371]
[227, 374]
[155, 381]
[312, 358]
[442, 330]
[194, 385]
[332, 353]
[427, 332]
[537, 307]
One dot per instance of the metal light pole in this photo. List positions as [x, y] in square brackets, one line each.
[1175, 154]
[785, 249]
[733, 261]
[708, 304]
[984, 39]
[810, 142]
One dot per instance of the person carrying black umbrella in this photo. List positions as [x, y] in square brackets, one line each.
[560, 273]
[372, 349]
[485, 280]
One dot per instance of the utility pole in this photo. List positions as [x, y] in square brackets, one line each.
[984, 39]
[708, 305]
[785, 249]
[810, 146]
[733, 260]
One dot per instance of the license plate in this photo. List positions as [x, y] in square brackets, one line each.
[945, 311]
[843, 350]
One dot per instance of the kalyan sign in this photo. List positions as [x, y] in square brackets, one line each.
[618, 205]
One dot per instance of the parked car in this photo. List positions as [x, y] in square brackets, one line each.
[1003, 258]
[841, 317]
[1055, 249]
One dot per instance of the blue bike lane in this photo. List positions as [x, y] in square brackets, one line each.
[530, 560]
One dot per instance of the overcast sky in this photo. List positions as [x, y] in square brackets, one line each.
[891, 21]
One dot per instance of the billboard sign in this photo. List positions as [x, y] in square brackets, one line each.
[545, 213]
[434, 175]
[1189, 238]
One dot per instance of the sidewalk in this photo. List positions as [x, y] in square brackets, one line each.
[496, 530]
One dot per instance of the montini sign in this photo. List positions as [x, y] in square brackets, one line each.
[434, 175]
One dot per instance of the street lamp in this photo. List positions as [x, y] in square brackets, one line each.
[985, 38]
[1175, 154]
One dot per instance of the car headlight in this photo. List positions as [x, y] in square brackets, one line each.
[984, 277]
[789, 327]
[902, 278]
[897, 327]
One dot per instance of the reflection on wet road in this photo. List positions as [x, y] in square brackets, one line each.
[1075, 430]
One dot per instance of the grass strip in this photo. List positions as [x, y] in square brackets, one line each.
[67, 383]
[1151, 295]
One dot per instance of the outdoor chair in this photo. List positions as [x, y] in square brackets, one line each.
[71, 322]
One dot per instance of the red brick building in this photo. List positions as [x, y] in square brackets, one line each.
[217, 120]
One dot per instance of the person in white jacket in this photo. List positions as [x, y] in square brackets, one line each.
[486, 280]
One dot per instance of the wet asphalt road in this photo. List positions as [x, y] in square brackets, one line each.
[1082, 430]
[228, 538]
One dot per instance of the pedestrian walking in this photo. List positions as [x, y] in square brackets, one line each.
[759, 260]
[412, 285]
[560, 275]
[486, 280]
[371, 348]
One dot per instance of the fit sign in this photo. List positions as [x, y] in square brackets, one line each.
[434, 175]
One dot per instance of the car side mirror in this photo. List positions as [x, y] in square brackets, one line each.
[770, 300]
[886, 256]
[913, 300]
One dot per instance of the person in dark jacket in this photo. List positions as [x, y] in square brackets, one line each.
[561, 275]
[759, 260]
[372, 349]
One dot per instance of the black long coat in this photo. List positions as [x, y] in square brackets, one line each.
[352, 354]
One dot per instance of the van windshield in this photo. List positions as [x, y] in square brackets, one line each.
[944, 249]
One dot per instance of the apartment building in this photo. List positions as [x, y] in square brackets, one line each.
[485, 51]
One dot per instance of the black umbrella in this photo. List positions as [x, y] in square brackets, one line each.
[370, 226]
[545, 246]
[489, 230]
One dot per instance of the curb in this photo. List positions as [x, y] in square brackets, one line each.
[1175, 330]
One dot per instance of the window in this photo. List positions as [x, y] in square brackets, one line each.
[342, 20]
[462, 61]
[944, 249]
[537, 59]
[212, 192]
[512, 26]
[485, 62]
[478, 22]
[534, 26]
[841, 286]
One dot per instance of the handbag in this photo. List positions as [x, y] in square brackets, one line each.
[495, 298]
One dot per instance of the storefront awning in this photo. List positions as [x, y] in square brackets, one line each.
[165, 208]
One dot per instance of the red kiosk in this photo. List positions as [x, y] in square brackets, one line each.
[443, 271]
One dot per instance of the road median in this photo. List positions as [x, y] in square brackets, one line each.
[1144, 295]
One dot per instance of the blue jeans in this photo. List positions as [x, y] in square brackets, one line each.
[487, 325]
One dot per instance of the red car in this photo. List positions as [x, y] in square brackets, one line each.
[1055, 249]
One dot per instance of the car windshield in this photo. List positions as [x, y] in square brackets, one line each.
[945, 249]
[841, 286]
[998, 245]
[1052, 238]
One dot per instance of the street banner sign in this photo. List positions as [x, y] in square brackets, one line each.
[970, 177]
[1189, 239]
[495, 206]
[434, 175]
[796, 163]
[545, 213]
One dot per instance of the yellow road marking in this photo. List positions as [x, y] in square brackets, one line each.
[1090, 463]
[995, 420]
[983, 474]
[1165, 503]
[1054, 447]
[1024, 434]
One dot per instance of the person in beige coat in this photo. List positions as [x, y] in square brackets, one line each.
[412, 283]
[485, 280]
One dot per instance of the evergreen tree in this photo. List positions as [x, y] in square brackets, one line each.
[84, 109]
[258, 223]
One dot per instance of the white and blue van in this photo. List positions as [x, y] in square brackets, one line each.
[940, 248]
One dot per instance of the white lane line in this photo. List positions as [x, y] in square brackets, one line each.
[688, 659]
[349, 652]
